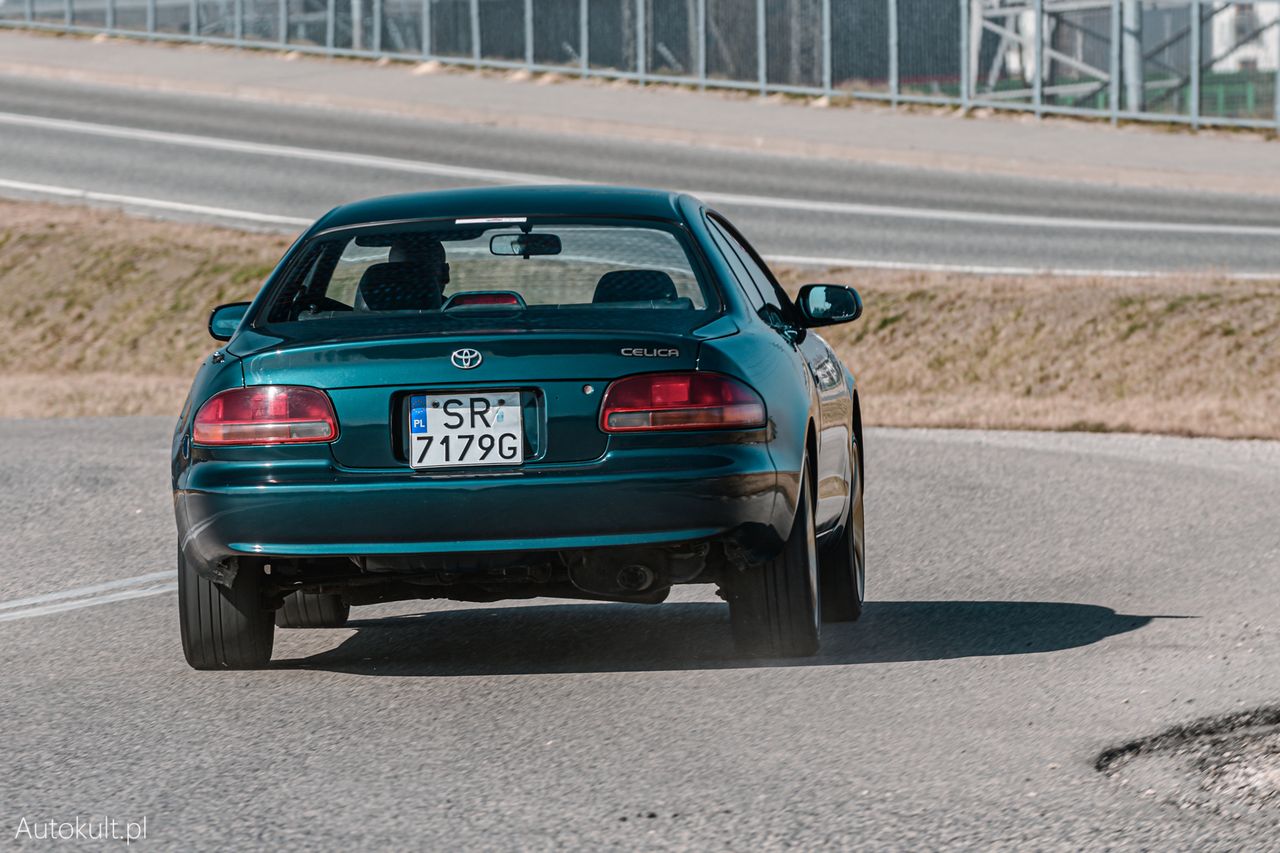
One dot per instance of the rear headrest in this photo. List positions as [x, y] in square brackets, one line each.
[635, 286]
[398, 286]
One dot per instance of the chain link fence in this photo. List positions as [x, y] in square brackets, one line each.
[1203, 62]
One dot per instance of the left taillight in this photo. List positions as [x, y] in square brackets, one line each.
[266, 414]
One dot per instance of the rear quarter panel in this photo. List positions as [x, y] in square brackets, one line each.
[765, 361]
[768, 362]
[217, 372]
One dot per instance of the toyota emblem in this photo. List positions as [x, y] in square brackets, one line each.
[465, 359]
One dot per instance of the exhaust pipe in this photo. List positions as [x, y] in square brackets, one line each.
[635, 571]
[611, 573]
[635, 578]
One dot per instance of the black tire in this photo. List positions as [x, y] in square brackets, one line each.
[773, 608]
[312, 610]
[224, 627]
[843, 564]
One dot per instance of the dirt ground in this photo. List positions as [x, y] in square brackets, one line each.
[1185, 356]
[105, 313]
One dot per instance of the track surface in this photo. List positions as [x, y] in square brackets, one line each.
[943, 222]
[1035, 599]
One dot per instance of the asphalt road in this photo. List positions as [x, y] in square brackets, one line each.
[1034, 599]
[261, 158]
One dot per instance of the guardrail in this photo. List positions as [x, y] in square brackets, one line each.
[1200, 62]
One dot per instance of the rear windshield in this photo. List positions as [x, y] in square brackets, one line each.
[514, 273]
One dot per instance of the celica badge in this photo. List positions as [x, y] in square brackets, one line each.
[650, 352]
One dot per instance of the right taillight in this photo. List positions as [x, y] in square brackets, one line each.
[266, 414]
[663, 401]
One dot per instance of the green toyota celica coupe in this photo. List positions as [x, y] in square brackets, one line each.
[486, 394]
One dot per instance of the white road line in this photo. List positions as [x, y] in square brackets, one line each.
[237, 146]
[506, 177]
[254, 217]
[154, 204]
[63, 606]
[976, 217]
[974, 269]
[83, 591]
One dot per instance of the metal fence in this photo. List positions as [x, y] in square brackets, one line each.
[1202, 62]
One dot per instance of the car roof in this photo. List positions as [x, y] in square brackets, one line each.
[523, 200]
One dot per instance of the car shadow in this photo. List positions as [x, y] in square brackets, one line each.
[565, 638]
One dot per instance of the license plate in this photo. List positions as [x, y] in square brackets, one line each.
[455, 430]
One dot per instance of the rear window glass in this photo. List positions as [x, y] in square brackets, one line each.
[531, 273]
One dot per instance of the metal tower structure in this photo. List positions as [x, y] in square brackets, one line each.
[1076, 49]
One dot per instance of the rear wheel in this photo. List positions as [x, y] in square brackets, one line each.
[773, 608]
[843, 566]
[312, 610]
[223, 627]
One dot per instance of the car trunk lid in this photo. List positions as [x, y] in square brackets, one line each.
[560, 376]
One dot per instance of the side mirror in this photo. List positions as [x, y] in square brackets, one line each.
[828, 304]
[225, 319]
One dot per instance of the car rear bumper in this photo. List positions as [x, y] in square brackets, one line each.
[637, 497]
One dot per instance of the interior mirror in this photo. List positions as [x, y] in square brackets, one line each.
[524, 245]
[225, 319]
[828, 304]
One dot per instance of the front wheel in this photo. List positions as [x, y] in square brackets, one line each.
[843, 564]
[773, 608]
[224, 627]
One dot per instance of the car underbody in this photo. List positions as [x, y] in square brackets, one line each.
[636, 575]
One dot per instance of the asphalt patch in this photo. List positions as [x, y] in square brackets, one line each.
[1228, 766]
